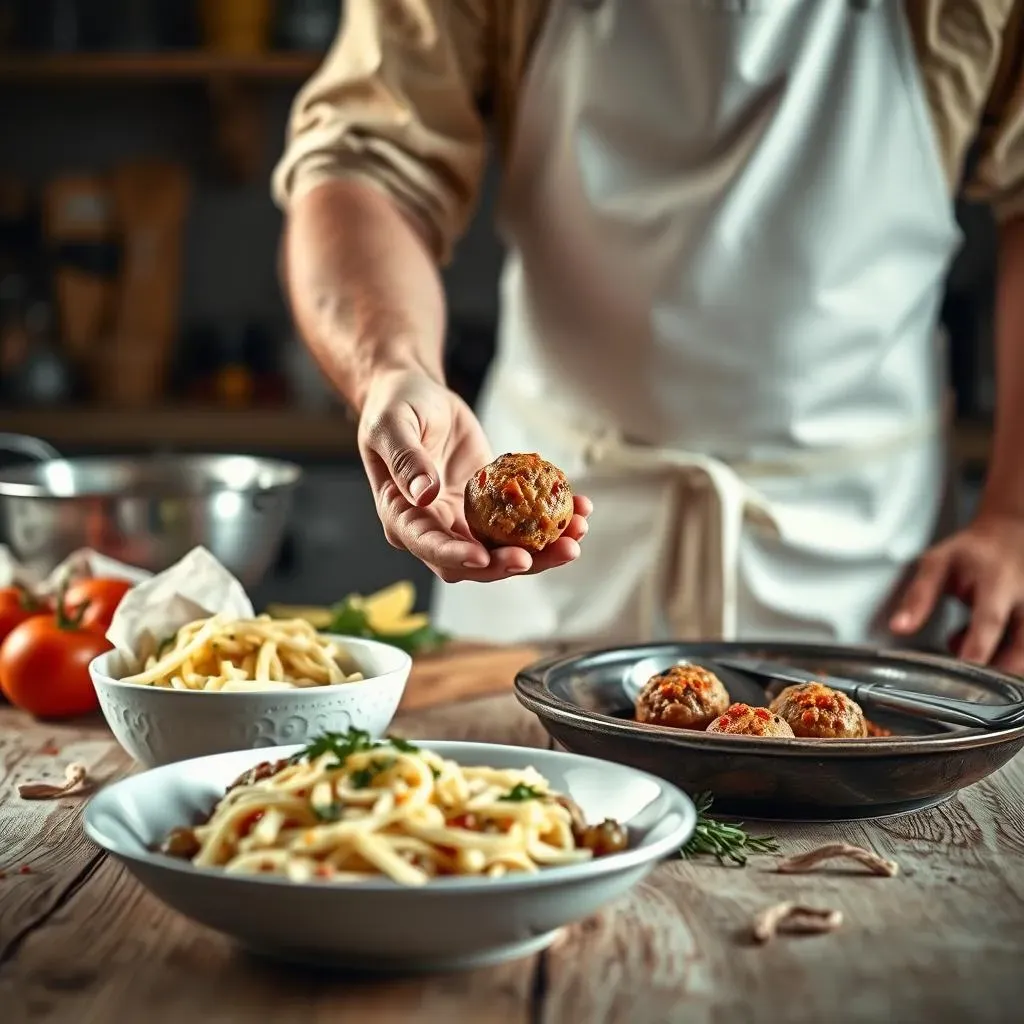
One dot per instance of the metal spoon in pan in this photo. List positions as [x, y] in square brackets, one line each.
[881, 695]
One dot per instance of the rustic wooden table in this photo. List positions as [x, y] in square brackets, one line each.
[81, 941]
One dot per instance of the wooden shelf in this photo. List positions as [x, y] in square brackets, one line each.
[192, 428]
[198, 65]
[272, 429]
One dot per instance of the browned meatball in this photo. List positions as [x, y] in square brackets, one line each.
[816, 711]
[743, 720]
[518, 500]
[683, 696]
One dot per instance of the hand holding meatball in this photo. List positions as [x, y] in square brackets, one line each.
[420, 443]
[518, 501]
[683, 696]
[743, 720]
[816, 711]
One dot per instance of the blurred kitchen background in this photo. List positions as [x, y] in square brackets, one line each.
[139, 303]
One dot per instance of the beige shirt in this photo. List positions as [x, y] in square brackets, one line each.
[399, 100]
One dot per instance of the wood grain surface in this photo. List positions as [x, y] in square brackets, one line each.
[80, 940]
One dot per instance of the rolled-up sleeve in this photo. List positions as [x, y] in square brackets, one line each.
[395, 103]
[998, 177]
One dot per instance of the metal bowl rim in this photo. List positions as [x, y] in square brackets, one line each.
[533, 693]
[290, 473]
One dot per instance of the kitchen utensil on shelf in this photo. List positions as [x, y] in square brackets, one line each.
[147, 511]
[586, 703]
[151, 202]
[884, 695]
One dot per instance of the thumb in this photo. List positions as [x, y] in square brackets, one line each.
[922, 593]
[396, 439]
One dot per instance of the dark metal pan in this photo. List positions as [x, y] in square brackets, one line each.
[586, 704]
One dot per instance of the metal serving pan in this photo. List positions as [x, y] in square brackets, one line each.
[585, 702]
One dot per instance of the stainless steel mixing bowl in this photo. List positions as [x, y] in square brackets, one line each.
[145, 511]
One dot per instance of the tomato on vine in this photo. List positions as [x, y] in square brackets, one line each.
[44, 663]
[100, 596]
[16, 606]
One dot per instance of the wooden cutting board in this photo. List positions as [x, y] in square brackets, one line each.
[463, 670]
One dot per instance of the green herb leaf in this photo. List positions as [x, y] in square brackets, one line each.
[362, 778]
[725, 842]
[329, 812]
[403, 745]
[520, 792]
[348, 619]
[341, 744]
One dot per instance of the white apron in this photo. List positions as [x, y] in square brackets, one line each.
[729, 230]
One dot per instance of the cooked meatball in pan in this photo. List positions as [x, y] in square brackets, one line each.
[683, 696]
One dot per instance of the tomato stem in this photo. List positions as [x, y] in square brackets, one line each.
[28, 601]
[69, 620]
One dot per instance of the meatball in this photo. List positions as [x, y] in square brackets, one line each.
[743, 720]
[816, 711]
[518, 500]
[683, 696]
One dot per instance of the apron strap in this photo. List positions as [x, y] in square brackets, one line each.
[697, 583]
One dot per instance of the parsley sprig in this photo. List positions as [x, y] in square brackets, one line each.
[344, 744]
[520, 792]
[725, 842]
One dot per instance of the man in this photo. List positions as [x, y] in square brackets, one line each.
[729, 224]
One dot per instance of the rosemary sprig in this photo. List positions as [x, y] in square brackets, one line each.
[727, 843]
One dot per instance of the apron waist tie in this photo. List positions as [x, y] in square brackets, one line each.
[697, 584]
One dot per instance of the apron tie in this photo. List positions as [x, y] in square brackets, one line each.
[696, 584]
[694, 592]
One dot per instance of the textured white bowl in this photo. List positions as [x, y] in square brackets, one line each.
[448, 923]
[158, 726]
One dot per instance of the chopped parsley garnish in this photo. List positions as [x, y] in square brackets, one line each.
[520, 792]
[362, 778]
[328, 812]
[403, 745]
[344, 744]
[341, 744]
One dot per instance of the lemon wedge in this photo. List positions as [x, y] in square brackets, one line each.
[390, 609]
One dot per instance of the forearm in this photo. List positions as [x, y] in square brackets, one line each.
[1004, 489]
[364, 288]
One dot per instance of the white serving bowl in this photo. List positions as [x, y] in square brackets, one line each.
[157, 726]
[447, 924]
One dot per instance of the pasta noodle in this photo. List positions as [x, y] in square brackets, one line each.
[246, 654]
[350, 809]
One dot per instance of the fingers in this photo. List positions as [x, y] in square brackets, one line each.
[1010, 656]
[990, 615]
[396, 438]
[922, 593]
[424, 533]
[438, 536]
[582, 506]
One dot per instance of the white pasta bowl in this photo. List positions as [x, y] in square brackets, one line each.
[157, 726]
[448, 923]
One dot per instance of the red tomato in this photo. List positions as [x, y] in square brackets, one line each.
[95, 600]
[44, 666]
[17, 605]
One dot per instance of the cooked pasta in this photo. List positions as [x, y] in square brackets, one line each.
[224, 654]
[350, 809]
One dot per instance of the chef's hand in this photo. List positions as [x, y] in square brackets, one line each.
[982, 566]
[420, 444]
